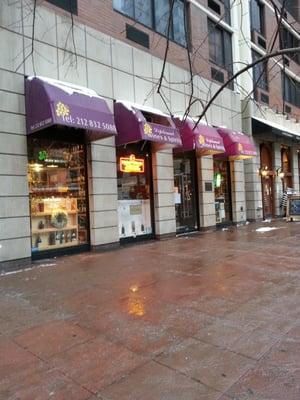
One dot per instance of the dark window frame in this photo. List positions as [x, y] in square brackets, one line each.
[67, 5]
[288, 40]
[290, 90]
[262, 81]
[226, 37]
[186, 39]
[257, 15]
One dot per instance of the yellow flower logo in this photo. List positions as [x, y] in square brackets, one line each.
[240, 147]
[201, 139]
[148, 129]
[62, 110]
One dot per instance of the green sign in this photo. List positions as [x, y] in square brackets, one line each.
[42, 155]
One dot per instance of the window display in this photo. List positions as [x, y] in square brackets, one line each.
[57, 190]
[134, 192]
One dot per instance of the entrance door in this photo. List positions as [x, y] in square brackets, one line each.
[185, 192]
[135, 199]
[222, 189]
[267, 180]
[58, 195]
[287, 181]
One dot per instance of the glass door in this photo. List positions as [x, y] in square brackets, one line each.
[185, 192]
[222, 190]
[135, 192]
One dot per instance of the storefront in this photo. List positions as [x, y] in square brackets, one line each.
[197, 141]
[142, 131]
[61, 119]
[238, 146]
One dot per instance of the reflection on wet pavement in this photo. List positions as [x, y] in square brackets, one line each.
[213, 316]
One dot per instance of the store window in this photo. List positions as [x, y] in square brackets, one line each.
[222, 190]
[134, 192]
[155, 14]
[58, 196]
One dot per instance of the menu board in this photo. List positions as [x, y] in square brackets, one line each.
[134, 218]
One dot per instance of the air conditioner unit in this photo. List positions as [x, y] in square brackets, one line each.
[258, 39]
[217, 6]
[261, 96]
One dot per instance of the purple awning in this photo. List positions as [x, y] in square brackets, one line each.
[51, 102]
[135, 123]
[202, 138]
[238, 145]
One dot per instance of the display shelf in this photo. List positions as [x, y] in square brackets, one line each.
[45, 214]
[58, 246]
[48, 230]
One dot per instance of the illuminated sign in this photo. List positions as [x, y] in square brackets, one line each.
[132, 164]
[42, 155]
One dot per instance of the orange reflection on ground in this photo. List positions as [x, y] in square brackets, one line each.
[135, 304]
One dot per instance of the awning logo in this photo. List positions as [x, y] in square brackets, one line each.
[201, 139]
[62, 110]
[240, 147]
[147, 129]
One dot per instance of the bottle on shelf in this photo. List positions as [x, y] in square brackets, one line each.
[73, 236]
[123, 230]
[57, 238]
[62, 238]
[38, 241]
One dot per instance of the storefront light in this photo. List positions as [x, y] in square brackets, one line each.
[264, 171]
[36, 167]
[218, 180]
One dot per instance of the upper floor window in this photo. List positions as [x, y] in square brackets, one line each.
[68, 5]
[290, 90]
[291, 6]
[260, 72]
[288, 40]
[257, 16]
[220, 47]
[156, 14]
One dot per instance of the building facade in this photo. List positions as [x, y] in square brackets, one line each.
[117, 169]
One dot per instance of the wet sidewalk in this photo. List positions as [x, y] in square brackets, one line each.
[206, 317]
